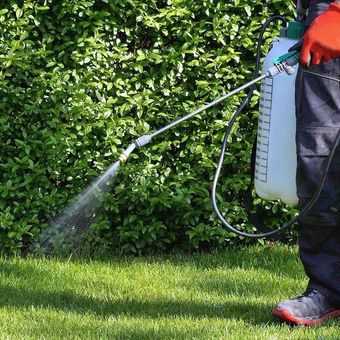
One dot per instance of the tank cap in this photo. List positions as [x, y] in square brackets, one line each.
[295, 30]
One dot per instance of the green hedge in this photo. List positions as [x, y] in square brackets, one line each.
[79, 79]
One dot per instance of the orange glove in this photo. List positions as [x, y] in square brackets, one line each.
[321, 42]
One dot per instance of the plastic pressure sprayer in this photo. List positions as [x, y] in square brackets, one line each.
[282, 65]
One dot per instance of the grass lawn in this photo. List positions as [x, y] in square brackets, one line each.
[224, 295]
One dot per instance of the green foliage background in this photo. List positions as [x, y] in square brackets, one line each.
[79, 79]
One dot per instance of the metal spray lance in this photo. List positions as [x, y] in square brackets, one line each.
[283, 64]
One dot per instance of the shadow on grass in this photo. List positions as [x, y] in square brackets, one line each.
[267, 267]
[69, 301]
[27, 294]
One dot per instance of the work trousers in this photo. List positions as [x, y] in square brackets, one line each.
[318, 121]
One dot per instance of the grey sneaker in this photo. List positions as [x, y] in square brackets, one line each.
[310, 309]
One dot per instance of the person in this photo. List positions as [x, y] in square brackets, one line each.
[318, 121]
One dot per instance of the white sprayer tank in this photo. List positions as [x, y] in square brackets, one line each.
[275, 167]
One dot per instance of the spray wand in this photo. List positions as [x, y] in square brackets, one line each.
[282, 64]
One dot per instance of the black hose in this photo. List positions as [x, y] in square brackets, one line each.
[327, 164]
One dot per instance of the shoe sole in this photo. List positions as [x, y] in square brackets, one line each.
[284, 315]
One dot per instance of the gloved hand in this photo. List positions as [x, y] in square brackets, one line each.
[321, 42]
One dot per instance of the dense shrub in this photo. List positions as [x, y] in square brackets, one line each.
[79, 79]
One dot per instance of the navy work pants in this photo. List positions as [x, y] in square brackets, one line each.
[318, 121]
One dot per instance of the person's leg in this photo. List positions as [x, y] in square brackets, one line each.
[320, 255]
[318, 122]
